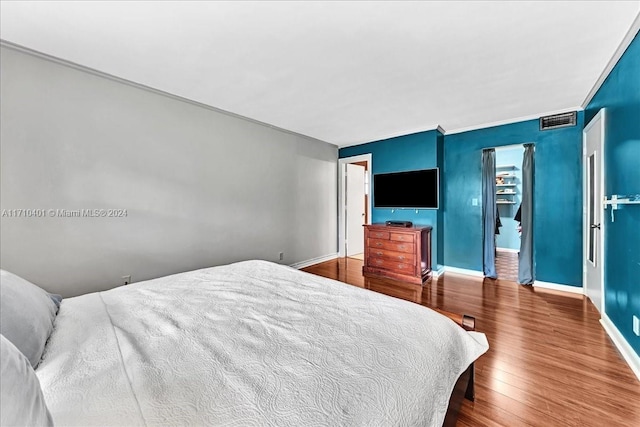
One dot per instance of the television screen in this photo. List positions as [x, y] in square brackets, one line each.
[411, 190]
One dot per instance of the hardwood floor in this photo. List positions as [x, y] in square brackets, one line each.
[550, 362]
[507, 265]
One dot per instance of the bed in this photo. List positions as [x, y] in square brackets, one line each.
[252, 343]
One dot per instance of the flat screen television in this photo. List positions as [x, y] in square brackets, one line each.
[416, 189]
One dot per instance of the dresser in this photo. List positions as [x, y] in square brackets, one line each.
[401, 253]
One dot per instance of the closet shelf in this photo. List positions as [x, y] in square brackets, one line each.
[505, 185]
[505, 203]
[505, 175]
[506, 193]
[505, 166]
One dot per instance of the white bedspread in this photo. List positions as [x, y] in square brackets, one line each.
[251, 343]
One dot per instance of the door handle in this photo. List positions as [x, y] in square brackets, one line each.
[595, 226]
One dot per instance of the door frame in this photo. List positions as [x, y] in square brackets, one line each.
[342, 196]
[601, 115]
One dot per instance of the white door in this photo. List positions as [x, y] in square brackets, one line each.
[593, 139]
[355, 209]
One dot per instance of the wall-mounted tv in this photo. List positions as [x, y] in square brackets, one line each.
[416, 189]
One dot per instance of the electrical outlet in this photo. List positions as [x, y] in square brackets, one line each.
[474, 202]
[636, 325]
[126, 279]
[281, 256]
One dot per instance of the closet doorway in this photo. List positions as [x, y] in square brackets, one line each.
[508, 199]
[507, 212]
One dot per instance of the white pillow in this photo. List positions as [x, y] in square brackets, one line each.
[27, 313]
[21, 399]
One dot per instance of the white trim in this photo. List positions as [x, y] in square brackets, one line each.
[537, 283]
[511, 147]
[89, 70]
[513, 251]
[313, 261]
[464, 271]
[342, 193]
[438, 272]
[624, 44]
[392, 135]
[600, 256]
[558, 287]
[463, 129]
[628, 353]
[513, 120]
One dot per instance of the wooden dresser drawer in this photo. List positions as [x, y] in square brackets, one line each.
[402, 237]
[404, 257]
[384, 235]
[392, 265]
[390, 245]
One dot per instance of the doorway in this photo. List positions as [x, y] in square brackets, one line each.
[593, 233]
[355, 210]
[355, 204]
[507, 212]
[508, 199]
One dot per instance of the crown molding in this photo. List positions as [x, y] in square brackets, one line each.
[513, 120]
[93, 71]
[626, 41]
[392, 135]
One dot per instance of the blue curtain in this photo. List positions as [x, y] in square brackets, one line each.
[525, 257]
[489, 213]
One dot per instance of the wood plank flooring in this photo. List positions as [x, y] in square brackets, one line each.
[507, 265]
[550, 362]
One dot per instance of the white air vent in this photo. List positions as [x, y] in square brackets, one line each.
[558, 121]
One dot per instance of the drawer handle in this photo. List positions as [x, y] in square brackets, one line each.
[378, 261]
[378, 234]
[379, 253]
[378, 244]
[400, 258]
[402, 247]
[401, 266]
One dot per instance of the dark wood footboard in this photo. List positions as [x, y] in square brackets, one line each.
[457, 395]
[464, 387]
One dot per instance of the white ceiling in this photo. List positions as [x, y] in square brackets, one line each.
[342, 72]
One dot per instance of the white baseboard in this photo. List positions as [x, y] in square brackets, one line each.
[628, 353]
[439, 271]
[312, 261]
[537, 283]
[456, 270]
[559, 287]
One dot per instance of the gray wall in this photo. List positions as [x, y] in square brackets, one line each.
[200, 187]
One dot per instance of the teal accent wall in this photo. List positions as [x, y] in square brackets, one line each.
[509, 237]
[457, 225]
[557, 224]
[440, 214]
[620, 96]
[404, 153]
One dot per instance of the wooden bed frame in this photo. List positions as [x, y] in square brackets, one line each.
[465, 386]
